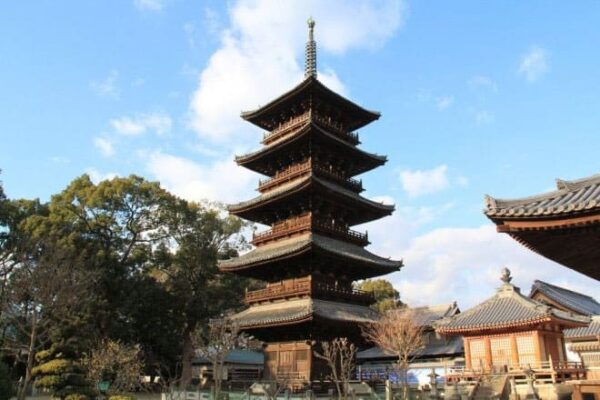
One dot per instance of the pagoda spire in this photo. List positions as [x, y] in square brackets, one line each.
[310, 66]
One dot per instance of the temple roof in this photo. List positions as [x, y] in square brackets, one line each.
[236, 356]
[366, 210]
[591, 331]
[301, 310]
[363, 161]
[451, 346]
[576, 302]
[571, 197]
[508, 308]
[426, 315]
[310, 87]
[306, 243]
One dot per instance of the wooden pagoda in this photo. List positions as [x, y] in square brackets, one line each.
[309, 257]
[562, 225]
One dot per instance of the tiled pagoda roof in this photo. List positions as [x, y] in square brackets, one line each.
[577, 302]
[591, 331]
[571, 198]
[364, 161]
[306, 182]
[304, 244]
[507, 308]
[302, 310]
[310, 87]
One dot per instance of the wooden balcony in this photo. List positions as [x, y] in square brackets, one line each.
[325, 121]
[308, 222]
[542, 371]
[285, 175]
[307, 286]
[286, 127]
[304, 167]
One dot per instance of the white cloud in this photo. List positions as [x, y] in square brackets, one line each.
[97, 176]
[107, 87]
[158, 122]
[149, 5]
[421, 182]
[484, 117]
[221, 180]
[464, 264]
[484, 82]
[105, 146]
[260, 51]
[534, 64]
[444, 102]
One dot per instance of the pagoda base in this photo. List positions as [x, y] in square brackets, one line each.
[293, 364]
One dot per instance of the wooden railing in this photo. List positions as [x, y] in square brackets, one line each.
[305, 222]
[306, 286]
[286, 127]
[327, 122]
[295, 170]
[285, 175]
[549, 370]
[283, 228]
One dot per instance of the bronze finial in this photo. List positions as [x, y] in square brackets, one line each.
[310, 67]
[505, 277]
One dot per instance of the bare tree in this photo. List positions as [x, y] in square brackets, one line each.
[340, 355]
[223, 337]
[115, 362]
[397, 333]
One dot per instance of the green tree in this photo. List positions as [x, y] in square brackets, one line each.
[190, 271]
[386, 296]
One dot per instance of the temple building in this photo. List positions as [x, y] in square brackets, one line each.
[584, 341]
[512, 336]
[562, 225]
[310, 198]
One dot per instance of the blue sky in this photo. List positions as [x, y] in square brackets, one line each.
[476, 97]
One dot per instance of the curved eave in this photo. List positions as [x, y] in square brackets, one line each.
[365, 161]
[252, 209]
[362, 263]
[571, 198]
[521, 325]
[311, 85]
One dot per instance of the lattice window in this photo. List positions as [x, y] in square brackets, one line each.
[526, 350]
[477, 353]
[501, 351]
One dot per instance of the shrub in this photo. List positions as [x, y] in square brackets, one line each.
[75, 396]
[122, 397]
[6, 387]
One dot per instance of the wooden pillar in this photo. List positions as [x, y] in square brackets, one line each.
[488, 352]
[467, 346]
[514, 350]
[537, 344]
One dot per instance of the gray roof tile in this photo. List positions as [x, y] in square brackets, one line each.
[592, 330]
[507, 308]
[571, 196]
[577, 302]
[298, 310]
[290, 246]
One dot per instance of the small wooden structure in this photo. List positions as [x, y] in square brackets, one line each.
[309, 256]
[562, 225]
[512, 334]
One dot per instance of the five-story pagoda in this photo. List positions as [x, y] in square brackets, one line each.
[310, 256]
